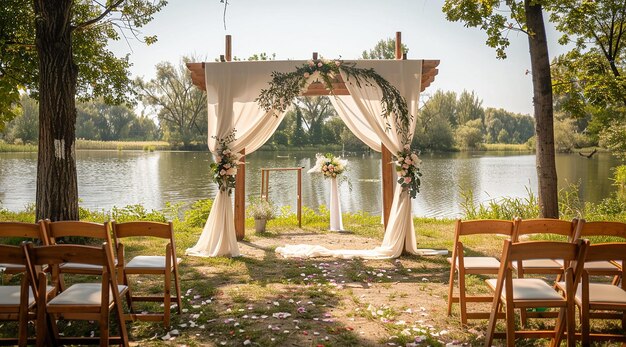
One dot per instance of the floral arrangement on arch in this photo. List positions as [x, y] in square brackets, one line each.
[408, 171]
[286, 86]
[224, 169]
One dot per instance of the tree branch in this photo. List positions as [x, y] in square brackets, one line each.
[97, 19]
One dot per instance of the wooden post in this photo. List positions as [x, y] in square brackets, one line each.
[387, 158]
[240, 179]
[229, 48]
[314, 55]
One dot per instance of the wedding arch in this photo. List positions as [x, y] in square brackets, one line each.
[238, 100]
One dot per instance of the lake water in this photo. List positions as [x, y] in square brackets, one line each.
[112, 178]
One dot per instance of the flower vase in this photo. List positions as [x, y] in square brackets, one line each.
[336, 223]
[259, 225]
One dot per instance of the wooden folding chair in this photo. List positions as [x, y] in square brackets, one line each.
[88, 232]
[81, 301]
[34, 232]
[545, 228]
[463, 265]
[524, 293]
[165, 265]
[602, 232]
[17, 302]
[601, 300]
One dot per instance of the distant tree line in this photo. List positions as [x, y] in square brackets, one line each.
[447, 121]
[95, 120]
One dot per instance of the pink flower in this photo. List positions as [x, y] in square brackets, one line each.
[408, 161]
[222, 172]
[319, 64]
[399, 173]
[405, 166]
[306, 75]
[337, 62]
[227, 166]
[407, 180]
[311, 63]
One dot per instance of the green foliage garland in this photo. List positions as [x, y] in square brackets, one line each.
[286, 86]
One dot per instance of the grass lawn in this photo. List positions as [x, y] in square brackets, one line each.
[261, 299]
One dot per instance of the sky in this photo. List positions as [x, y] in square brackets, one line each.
[341, 29]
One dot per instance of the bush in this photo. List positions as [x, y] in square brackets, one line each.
[199, 212]
[504, 208]
[138, 212]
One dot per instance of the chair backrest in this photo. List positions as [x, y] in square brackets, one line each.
[613, 251]
[34, 231]
[60, 229]
[13, 255]
[152, 229]
[543, 226]
[59, 254]
[144, 229]
[586, 229]
[484, 226]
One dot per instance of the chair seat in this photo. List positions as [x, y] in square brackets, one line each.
[10, 295]
[80, 266]
[598, 265]
[478, 263]
[600, 293]
[13, 267]
[148, 262]
[86, 294]
[528, 289]
[539, 264]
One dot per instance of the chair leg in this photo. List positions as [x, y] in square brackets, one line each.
[179, 298]
[167, 298]
[129, 296]
[510, 326]
[450, 290]
[584, 326]
[559, 330]
[104, 328]
[42, 328]
[22, 327]
[462, 302]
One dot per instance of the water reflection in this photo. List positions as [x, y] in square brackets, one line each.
[112, 178]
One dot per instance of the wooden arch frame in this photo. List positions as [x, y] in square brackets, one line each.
[429, 71]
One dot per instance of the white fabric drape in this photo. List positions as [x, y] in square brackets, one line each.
[362, 112]
[231, 90]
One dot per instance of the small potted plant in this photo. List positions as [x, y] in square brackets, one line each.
[261, 210]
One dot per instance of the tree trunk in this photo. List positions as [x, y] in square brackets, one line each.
[57, 191]
[544, 114]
